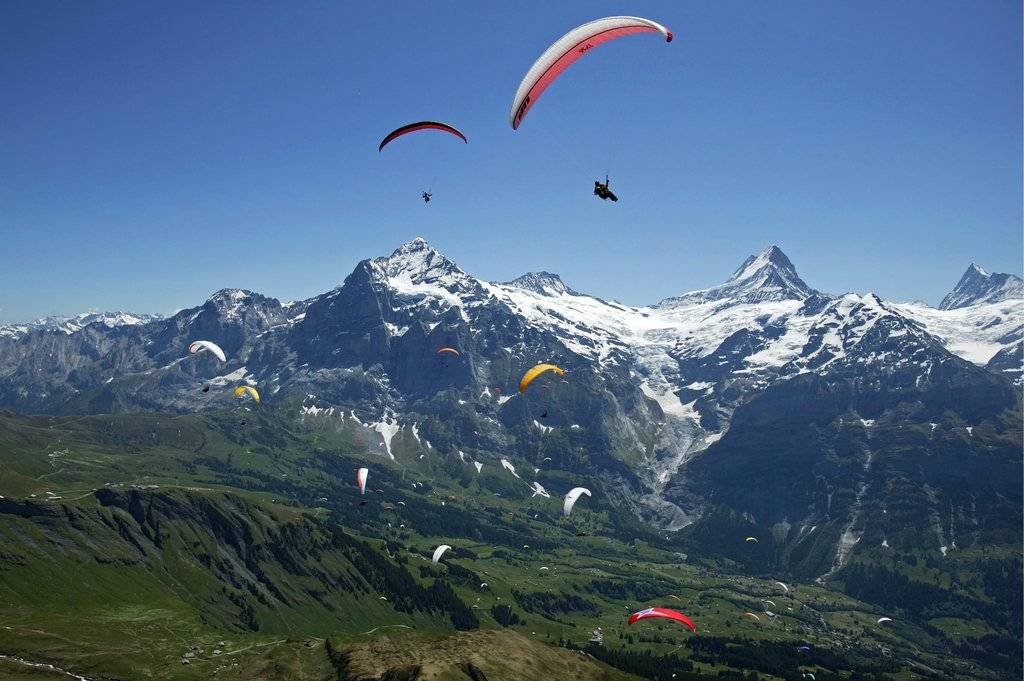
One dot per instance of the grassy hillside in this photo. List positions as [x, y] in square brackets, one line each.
[238, 542]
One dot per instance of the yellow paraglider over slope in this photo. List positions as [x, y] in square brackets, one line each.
[243, 389]
[537, 371]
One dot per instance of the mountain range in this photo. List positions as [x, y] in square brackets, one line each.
[830, 424]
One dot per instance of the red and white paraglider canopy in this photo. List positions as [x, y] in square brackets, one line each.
[567, 50]
[361, 475]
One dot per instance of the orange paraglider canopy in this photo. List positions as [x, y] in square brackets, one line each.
[537, 371]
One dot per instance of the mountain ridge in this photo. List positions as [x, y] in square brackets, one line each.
[650, 394]
[769, 269]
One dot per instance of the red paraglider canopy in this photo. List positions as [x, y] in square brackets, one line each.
[663, 613]
[422, 125]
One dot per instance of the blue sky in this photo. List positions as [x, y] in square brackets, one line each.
[151, 153]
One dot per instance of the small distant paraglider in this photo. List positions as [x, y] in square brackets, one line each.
[752, 616]
[416, 127]
[243, 390]
[751, 540]
[361, 476]
[883, 620]
[571, 498]
[664, 613]
[536, 371]
[438, 552]
[447, 350]
[209, 346]
[784, 587]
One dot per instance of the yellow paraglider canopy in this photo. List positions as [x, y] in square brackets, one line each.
[243, 389]
[537, 371]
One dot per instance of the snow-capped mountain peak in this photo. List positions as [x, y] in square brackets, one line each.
[981, 320]
[770, 273]
[977, 286]
[230, 297]
[236, 303]
[418, 270]
[418, 261]
[71, 324]
[766, 277]
[771, 257]
[544, 283]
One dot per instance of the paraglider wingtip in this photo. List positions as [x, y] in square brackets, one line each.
[668, 37]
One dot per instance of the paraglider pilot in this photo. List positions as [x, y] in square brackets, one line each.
[602, 190]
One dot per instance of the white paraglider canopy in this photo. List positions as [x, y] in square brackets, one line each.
[571, 497]
[209, 346]
[438, 552]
